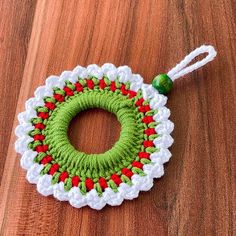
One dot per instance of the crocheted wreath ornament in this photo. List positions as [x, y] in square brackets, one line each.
[131, 164]
[94, 179]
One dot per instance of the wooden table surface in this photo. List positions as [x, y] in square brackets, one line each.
[197, 194]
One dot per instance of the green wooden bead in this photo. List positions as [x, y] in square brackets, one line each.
[162, 83]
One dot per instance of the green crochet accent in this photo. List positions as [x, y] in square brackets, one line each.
[94, 165]
[46, 169]
[36, 120]
[82, 187]
[50, 99]
[39, 157]
[126, 180]
[68, 184]
[34, 132]
[34, 144]
[55, 177]
[42, 109]
[59, 91]
[70, 85]
[98, 188]
[112, 185]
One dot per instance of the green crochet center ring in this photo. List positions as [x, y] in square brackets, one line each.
[95, 180]
[95, 166]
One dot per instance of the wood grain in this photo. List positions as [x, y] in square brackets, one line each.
[197, 195]
[15, 30]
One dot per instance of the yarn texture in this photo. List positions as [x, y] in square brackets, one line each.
[94, 179]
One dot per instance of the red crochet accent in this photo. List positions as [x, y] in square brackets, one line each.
[39, 137]
[113, 86]
[90, 83]
[46, 160]
[75, 181]
[123, 89]
[102, 84]
[150, 131]
[132, 94]
[41, 148]
[144, 108]
[39, 126]
[147, 119]
[148, 143]
[59, 97]
[50, 105]
[127, 172]
[69, 92]
[139, 102]
[64, 175]
[43, 115]
[103, 183]
[54, 168]
[89, 184]
[144, 155]
[79, 87]
[116, 179]
[137, 164]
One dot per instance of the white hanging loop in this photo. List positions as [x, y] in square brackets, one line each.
[182, 68]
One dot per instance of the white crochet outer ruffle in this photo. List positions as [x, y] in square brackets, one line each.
[74, 196]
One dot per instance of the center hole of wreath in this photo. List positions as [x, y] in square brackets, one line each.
[94, 131]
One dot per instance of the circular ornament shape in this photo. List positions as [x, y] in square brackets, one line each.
[94, 179]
